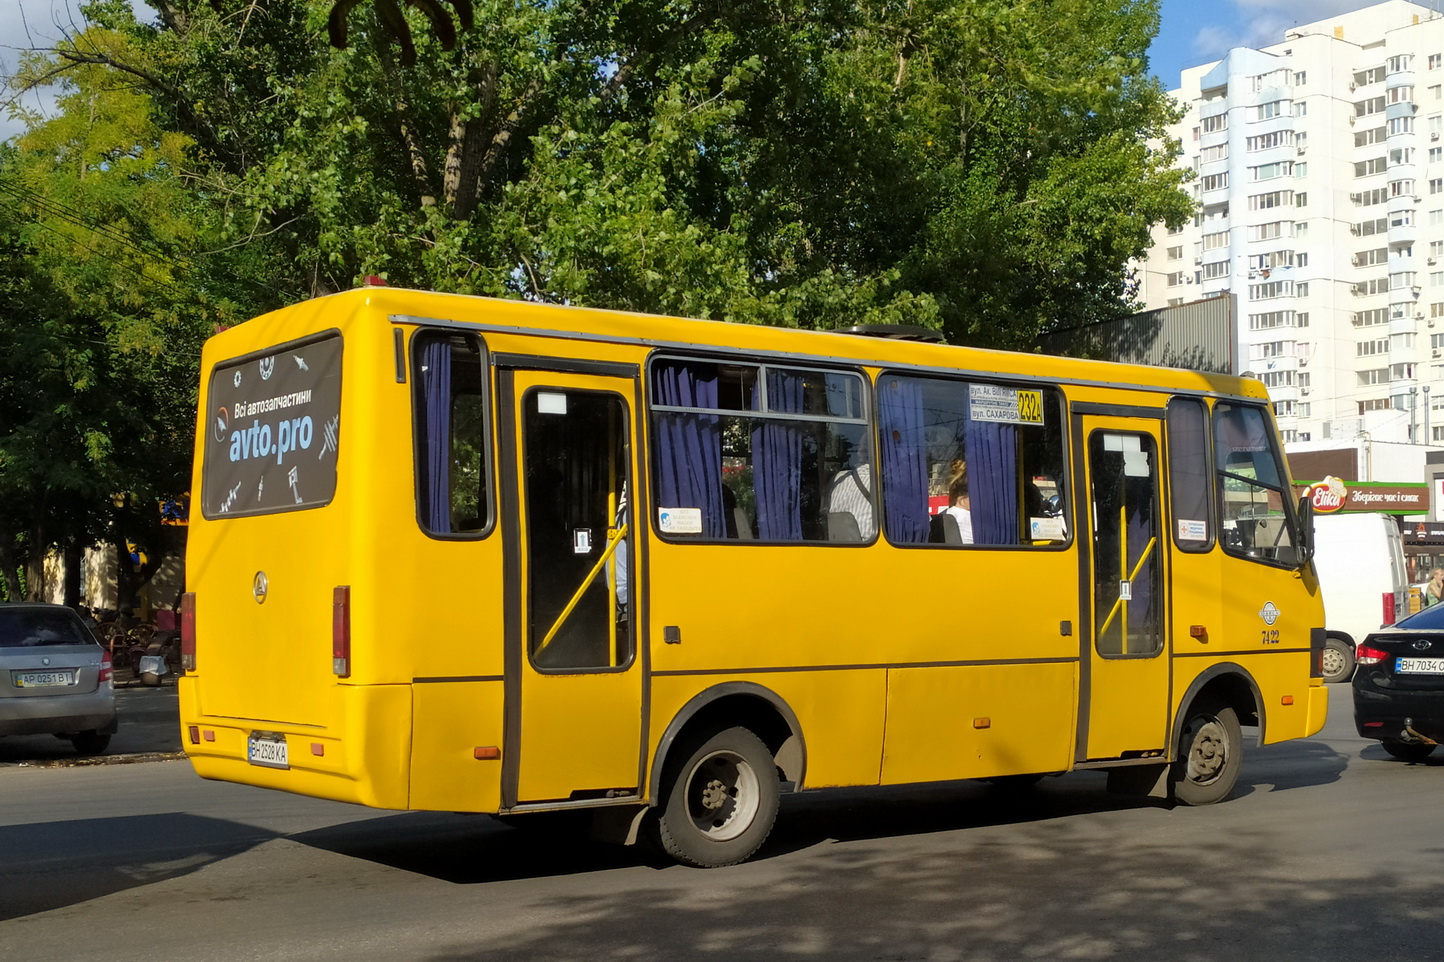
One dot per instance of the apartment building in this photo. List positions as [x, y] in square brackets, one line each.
[1319, 167]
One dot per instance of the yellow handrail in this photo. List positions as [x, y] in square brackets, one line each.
[612, 543]
[1119, 604]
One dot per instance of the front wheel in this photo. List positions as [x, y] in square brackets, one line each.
[1338, 659]
[721, 802]
[1409, 751]
[1210, 753]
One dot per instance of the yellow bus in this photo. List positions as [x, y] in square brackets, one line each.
[462, 554]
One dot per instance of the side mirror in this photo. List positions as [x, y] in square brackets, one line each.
[1306, 530]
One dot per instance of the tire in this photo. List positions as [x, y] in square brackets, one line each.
[1409, 751]
[720, 802]
[91, 743]
[1338, 661]
[1210, 753]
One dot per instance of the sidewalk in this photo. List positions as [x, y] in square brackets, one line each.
[149, 730]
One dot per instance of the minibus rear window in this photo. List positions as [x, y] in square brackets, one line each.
[273, 428]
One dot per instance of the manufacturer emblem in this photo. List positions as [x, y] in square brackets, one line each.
[259, 585]
[45, 661]
[1421, 645]
[1269, 613]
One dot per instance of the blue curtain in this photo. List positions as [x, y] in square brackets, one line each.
[992, 452]
[777, 460]
[904, 461]
[436, 462]
[688, 452]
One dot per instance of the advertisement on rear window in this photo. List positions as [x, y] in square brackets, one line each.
[275, 420]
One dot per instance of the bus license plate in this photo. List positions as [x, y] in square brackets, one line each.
[1419, 666]
[44, 679]
[267, 750]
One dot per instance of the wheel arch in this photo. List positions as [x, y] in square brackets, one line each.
[752, 706]
[1233, 684]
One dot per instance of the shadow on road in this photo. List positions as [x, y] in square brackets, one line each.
[116, 854]
[470, 849]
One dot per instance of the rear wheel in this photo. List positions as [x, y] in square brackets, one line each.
[1210, 753]
[1338, 661]
[1409, 751]
[91, 743]
[721, 801]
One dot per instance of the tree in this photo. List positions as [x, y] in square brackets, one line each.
[984, 167]
[109, 303]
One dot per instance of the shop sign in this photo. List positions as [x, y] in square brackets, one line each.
[1333, 496]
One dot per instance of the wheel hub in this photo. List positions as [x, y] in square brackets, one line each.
[714, 795]
[1208, 753]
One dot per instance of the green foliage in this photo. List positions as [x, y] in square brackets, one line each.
[987, 168]
[982, 167]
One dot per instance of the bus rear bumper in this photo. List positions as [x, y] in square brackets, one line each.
[368, 768]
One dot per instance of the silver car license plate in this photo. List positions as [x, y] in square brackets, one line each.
[1419, 666]
[43, 679]
[266, 750]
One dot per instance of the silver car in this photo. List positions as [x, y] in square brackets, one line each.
[55, 678]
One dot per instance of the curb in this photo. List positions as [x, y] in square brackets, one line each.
[93, 760]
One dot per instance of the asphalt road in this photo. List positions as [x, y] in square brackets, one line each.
[1330, 851]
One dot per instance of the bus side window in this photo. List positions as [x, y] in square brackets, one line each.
[1189, 476]
[746, 452]
[453, 490]
[965, 463]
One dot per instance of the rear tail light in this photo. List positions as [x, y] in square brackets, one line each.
[341, 631]
[1388, 608]
[107, 670]
[1370, 656]
[188, 631]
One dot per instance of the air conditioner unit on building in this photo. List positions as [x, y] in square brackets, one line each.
[1302, 151]
[1304, 390]
[1352, 120]
[1353, 85]
[1433, 260]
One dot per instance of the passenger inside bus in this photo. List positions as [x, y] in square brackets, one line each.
[849, 500]
[954, 524]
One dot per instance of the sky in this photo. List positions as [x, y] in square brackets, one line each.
[1194, 32]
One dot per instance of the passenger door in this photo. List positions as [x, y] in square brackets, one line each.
[1125, 663]
[574, 678]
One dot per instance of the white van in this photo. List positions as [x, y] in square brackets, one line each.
[1360, 562]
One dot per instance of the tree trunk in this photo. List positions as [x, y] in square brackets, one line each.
[9, 567]
[74, 574]
[126, 583]
[35, 565]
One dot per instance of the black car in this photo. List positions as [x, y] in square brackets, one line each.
[1399, 685]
